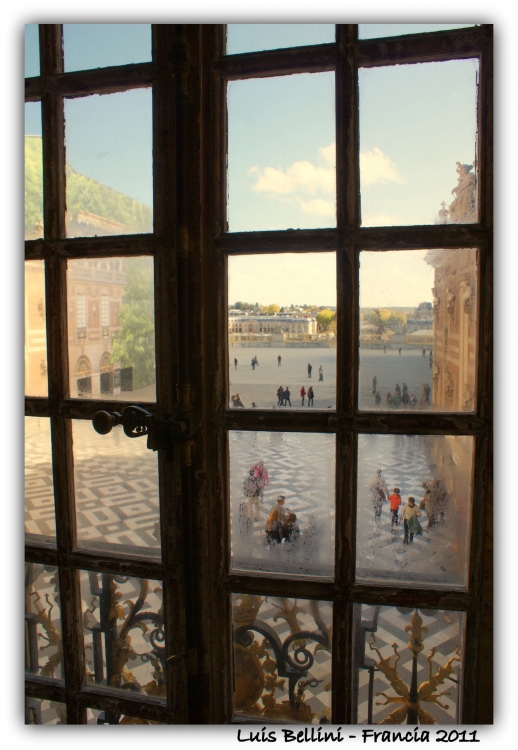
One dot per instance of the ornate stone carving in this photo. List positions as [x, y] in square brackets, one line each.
[451, 296]
[462, 209]
[436, 371]
[467, 397]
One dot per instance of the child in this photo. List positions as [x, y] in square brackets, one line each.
[395, 502]
[410, 515]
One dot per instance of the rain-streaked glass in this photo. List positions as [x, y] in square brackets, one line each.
[40, 519]
[281, 162]
[418, 330]
[33, 162]
[123, 625]
[282, 659]
[111, 328]
[100, 45]
[282, 337]
[424, 542]
[282, 502]
[407, 665]
[116, 491]
[256, 37]
[109, 164]
[44, 712]
[36, 379]
[43, 640]
[32, 50]
[376, 30]
[418, 143]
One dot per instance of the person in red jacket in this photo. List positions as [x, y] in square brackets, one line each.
[395, 502]
[302, 394]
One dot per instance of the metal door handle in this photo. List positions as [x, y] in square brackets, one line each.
[138, 422]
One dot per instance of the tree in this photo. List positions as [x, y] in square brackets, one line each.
[134, 343]
[324, 319]
[397, 320]
[271, 309]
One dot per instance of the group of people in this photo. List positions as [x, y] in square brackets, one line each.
[284, 396]
[402, 396]
[255, 362]
[433, 504]
[282, 524]
[320, 371]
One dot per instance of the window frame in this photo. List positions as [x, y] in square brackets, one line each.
[190, 245]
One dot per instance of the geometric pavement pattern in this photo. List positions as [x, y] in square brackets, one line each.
[301, 467]
[317, 697]
[405, 462]
[445, 632]
[116, 488]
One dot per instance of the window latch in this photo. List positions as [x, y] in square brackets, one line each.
[138, 422]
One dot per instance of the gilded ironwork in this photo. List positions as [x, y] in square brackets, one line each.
[116, 621]
[411, 697]
[37, 614]
[262, 667]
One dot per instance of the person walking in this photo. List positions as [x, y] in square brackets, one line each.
[287, 395]
[377, 398]
[302, 394]
[379, 493]
[397, 389]
[279, 360]
[400, 351]
[431, 359]
[311, 396]
[424, 352]
[320, 373]
[394, 502]
[235, 363]
[280, 395]
[384, 350]
[309, 370]
[253, 363]
[374, 383]
[410, 514]
[256, 360]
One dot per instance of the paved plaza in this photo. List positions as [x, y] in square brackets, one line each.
[260, 385]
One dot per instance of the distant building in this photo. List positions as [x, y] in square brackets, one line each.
[455, 305]
[255, 324]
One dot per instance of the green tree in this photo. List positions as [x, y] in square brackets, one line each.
[397, 319]
[33, 181]
[324, 319]
[134, 343]
[271, 309]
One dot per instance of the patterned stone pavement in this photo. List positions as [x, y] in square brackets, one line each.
[436, 556]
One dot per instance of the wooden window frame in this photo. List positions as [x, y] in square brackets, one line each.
[190, 245]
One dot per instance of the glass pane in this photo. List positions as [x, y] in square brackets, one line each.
[418, 330]
[282, 502]
[95, 716]
[100, 45]
[123, 626]
[376, 30]
[39, 488]
[36, 382]
[111, 329]
[33, 172]
[418, 124]
[32, 50]
[109, 164]
[282, 659]
[407, 665]
[281, 163]
[256, 37]
[420, 541]
[288, 335]
[44, 712]
[43, 647]
[116, 491]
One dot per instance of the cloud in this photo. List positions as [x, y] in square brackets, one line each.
[375, 167]
[319, 207]
[329, 153]
[300, 177]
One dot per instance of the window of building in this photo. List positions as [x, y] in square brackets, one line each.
[255, 564]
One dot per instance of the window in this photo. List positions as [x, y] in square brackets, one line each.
[187, 554]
